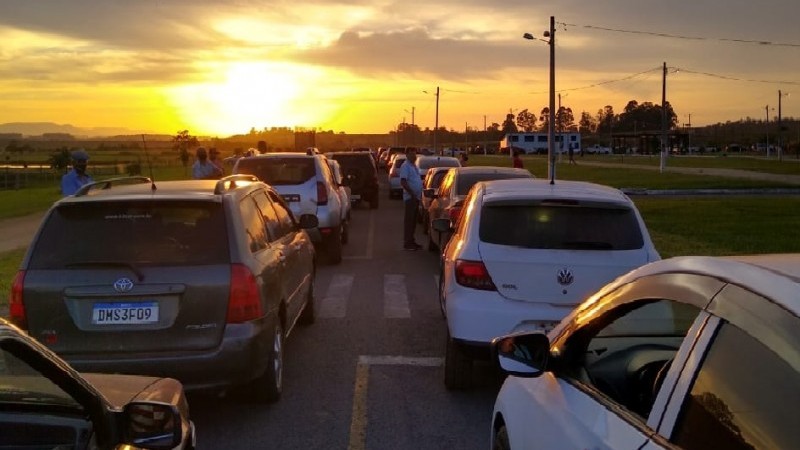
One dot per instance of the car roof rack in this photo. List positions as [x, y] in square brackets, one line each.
[107, 184]
[230, 182]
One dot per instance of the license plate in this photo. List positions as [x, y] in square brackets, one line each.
[291, 198]
[125, 313]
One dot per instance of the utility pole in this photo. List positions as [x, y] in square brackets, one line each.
[767, 127]
[551, 135]
[664, 142]
[485, 135]
[436, 126]
[780, 127]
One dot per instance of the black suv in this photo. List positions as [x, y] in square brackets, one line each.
[360, 174]
[195, 280]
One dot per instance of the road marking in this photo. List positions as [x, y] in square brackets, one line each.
[334, 304]
[395, 298]
[370, 239]
[358, 421]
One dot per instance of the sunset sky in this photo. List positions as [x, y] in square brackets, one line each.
[220, 67]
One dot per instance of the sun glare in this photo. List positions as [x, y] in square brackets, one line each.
[248, 94]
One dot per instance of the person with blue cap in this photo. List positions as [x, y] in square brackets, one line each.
[77, 176]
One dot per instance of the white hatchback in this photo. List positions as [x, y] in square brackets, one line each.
[524, 253]
[691, 352]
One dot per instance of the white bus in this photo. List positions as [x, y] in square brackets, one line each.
[536, 143]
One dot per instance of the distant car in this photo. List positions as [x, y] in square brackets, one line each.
[306, 182]
[447, 201]
[360, 175]
[390, 152]
[198, 280]
[395, 188]
[424, 163]
[689, 352]
[45, 403]
[528, 252]
[433, 179]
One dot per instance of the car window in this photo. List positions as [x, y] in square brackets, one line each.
[447, 183]
[745, 396]
[544, 226]
[465, 181]
[626, 352]
[349, 162]
[253, 225]
[427, 163]
[278, 170]
[284, 214]
[144, 233]
[274, 228]
[436, 179]
[23, 388]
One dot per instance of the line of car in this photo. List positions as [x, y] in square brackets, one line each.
[606, 345]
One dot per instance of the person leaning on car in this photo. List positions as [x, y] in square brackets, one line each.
[77, 176]
[412, 193]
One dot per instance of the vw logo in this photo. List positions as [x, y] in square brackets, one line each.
[565, 276]
[123, 285]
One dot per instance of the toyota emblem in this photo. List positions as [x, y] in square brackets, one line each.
[123, 285]
[564, 277]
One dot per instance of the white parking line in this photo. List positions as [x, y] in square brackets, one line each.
[358, 421]
[395, 298]
[370, 239]
[334, 304]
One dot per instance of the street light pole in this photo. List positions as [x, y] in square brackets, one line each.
[664, 143]
[551, 154]
[767, 123]
[780, 127]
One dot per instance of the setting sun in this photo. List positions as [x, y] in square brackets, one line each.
[245, 95]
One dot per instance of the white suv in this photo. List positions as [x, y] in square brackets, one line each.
[306, 183]
[524, 253]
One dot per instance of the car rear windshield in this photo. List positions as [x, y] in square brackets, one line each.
[467, 180]
[132, 232]
[278, 171]
[427, 163]
[361, 161]
[560, 227]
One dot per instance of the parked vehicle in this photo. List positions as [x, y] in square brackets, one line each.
[306, 182]
[433, 179]
[424, 163]
[45, 403]
[395, 188]
[597, 149]
[345, 194]
[447, 201]
[360, 175]
[528, 252]
[390, 152]
[689, 352]
[195, 280]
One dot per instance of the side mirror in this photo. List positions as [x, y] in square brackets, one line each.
[522, 355]
[151, 425]
[429, 193]
[308, 221]
[441, 225]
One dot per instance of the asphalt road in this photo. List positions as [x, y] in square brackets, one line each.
[368, 374]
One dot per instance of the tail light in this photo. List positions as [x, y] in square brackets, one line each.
[244, 302]
[322, 193]
[16, 307]
[473, 274]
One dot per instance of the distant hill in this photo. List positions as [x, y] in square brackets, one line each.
[39, 128]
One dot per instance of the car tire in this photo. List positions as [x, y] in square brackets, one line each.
[309, 314]
[268, 387]
[457, 366]
[334, 247]
[500, 441]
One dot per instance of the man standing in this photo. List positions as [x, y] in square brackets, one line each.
[202, 168]
[77, 176]
[412, 193]
[213, 158]
[517, 161]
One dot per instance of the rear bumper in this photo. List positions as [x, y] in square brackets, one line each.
[240, 357]
[476, 317]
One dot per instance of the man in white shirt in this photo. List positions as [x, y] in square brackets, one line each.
[412, 194]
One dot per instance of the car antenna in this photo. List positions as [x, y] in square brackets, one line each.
[150, 166]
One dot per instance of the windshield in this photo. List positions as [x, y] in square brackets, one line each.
[560, 227]
[427, 163]
[20, 384]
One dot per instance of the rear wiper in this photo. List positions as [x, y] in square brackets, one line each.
[587, 245]
[127, 265]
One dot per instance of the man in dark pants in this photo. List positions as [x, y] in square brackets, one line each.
[412, 193]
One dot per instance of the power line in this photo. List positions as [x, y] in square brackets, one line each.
[601, 83]
[680, 36]
[730, 78]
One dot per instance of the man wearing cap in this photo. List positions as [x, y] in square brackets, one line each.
[203, 169]
[77, 176]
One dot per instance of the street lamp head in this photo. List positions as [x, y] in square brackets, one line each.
[528, 36]
[546, 33]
